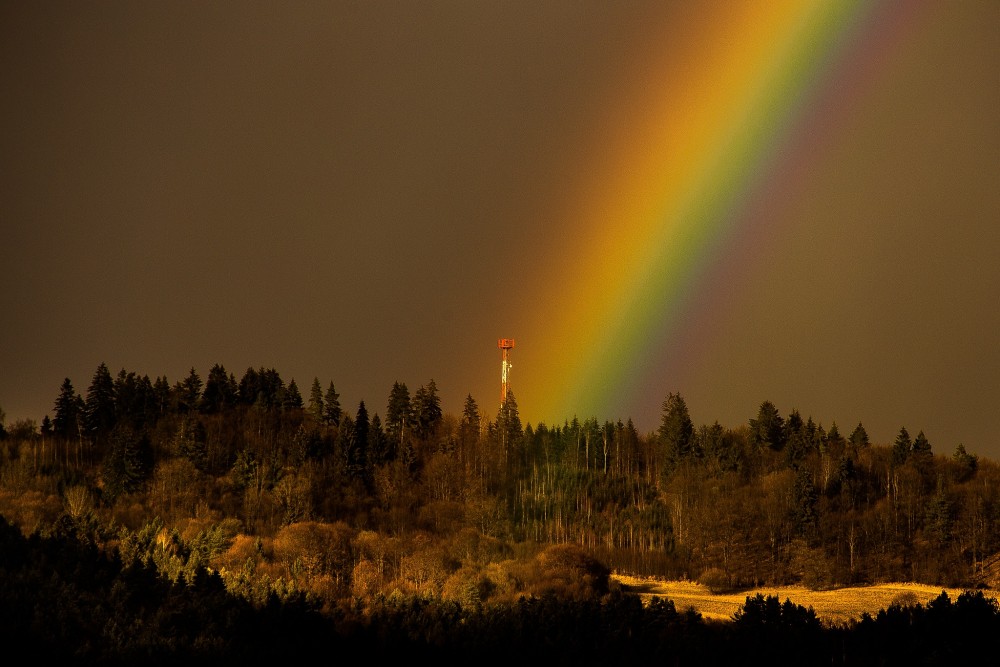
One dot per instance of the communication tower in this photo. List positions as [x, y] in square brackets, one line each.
[505, 345]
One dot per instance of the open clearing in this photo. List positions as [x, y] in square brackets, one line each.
[833, 606]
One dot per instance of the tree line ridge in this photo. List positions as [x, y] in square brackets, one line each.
[283, 499]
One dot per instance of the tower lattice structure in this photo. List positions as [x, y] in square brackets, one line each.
[505, 345]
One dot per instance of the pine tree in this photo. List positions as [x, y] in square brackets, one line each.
[292, 399]
[416, 404]
[712, 443]
[939, 516]
[187, 392]
[397, 414]
[805, 508]
[427, 410]
[331, 409]
[305, 444]
[357, 463]
[797, 438]
[859, 437]
[316, 400]
[509, 427]
[966, 464]
[345, 441]
[189, 442]
[128, 462]
[249, 386]
[901, 447]
[68, 418]
[99, 408]
[161, 396]
[833, 438]
[377, 444]
[144, 407]
[470, 420]
[921, 446]
[271, 394]
[125, 397]
[220, 391]
[676, 432]
[470, 412]
[767, 430]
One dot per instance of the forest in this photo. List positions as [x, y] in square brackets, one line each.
[205, 517]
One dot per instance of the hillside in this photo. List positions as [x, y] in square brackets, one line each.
[283, 497]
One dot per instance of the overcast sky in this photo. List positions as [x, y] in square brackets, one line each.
[345, 190]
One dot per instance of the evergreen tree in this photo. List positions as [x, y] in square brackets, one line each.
[331, 409]
[161, 396]
[145, 403]
[833, 438]
[305, 444]
[815, 435]
[245, 470]
[859, 437]
[921, 446]
[316, 400]
[220, 391]
[397, 414]
[676, 429]
[68, 408]
[630, 442]
[416, 403]
[901, 447]
[271, 394]
[967, 463]
[797, 438]
[125, 397]
[249, 386]
[793, 426]
[189, 442]
[805, 508]
[345, 441]
[128, 462]
[99, 408]
[717, 444]
[508, 425]
[470, 420]
[134, 400]
[845, 479]
[377, 443]
[767, 430]
[357, 463]
[293, 399]
[427, 410]
[470, 412]
[187, 392]
[939, 518]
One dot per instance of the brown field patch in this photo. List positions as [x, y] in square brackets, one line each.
[833, 606]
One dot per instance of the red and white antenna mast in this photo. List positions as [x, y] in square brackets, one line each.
[505, 345]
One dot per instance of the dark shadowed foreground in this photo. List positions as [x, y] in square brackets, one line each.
[62, 600]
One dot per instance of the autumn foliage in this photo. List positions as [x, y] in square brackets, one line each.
[280, 500]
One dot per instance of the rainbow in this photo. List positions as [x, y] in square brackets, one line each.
[670, 213]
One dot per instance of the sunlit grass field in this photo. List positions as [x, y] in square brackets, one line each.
[831, 606]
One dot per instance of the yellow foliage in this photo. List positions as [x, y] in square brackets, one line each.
[318, 548]
[365, 579]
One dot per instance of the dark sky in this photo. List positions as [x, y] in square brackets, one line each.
[348, 191]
